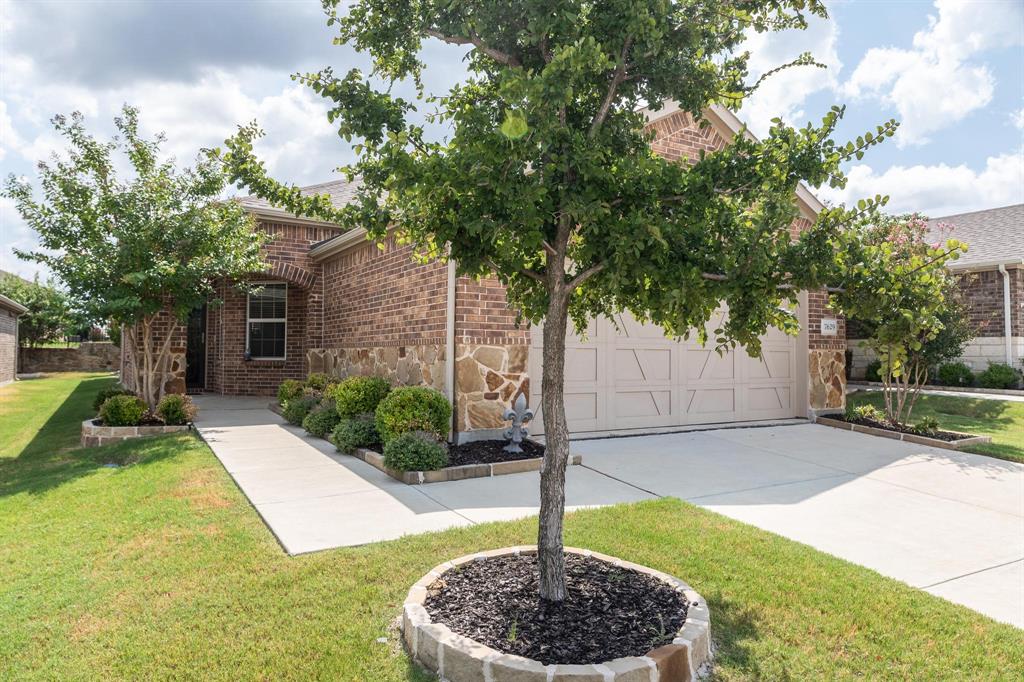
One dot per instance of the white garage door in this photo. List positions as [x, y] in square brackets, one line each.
[634, 377]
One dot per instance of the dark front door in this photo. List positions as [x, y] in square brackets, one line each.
[195, 351]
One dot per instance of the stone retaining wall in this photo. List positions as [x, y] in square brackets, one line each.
[88, 357]
[96, 434]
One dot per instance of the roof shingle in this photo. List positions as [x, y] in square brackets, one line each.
[995, 234]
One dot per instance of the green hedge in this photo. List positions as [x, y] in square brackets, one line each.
[357, 432]
[122, 410]
[415, 451]
[413, 408]
[176, 409]
[359, 395]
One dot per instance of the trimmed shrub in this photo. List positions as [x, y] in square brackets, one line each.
[108, 392]
[176, 409]
[999, 375]
[288, 390]
[359, 395]
[868, 412]
[927, 425]
[319, 381]
[122, 410]
[873, 372]
[415, 451]
[297, 409]
[413, 408]
[322, 419]
[356, 432]
[955, 374]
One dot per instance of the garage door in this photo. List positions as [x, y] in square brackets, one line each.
[634, 377]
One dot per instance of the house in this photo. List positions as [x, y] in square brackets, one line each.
[334, 302]
[991, 279]
[9, 313]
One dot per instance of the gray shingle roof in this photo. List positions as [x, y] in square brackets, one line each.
[341, 192]
[995, 234]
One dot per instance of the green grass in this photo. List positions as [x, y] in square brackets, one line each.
[161, 570]
[1001, 419]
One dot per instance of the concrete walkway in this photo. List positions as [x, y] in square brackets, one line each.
[948, 522]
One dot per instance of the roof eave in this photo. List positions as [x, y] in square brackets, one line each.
[985, 264]
[11, 304]
[278, 215]
[342, 242]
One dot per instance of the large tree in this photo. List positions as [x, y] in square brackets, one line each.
[51, 315]
[142, 251]
[546, 176]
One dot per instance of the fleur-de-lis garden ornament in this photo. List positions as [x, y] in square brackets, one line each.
[519, 415]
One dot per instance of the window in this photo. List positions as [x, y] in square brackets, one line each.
[267, 325]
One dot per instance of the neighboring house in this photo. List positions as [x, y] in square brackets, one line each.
[334, 302]
[991, 276]
[9, 312]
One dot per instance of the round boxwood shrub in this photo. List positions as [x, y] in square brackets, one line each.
[321, 420]
[415, 451]
[413, 408]
[873, 372]
[319, 381]
[955, 374]
[359, 395]
[297, 409]
[999, 375]
[122, 410]
[175, 409]
[355, 432]
[108, 392]
[288, 390]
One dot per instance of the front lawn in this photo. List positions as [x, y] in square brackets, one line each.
[1001, 419]
[161, 569]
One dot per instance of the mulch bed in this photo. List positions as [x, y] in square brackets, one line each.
[947, 436]
[609, 612]
[491, 452]
[150, 421]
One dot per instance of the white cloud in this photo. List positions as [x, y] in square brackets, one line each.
[783, 94]
[934, 84]
[940, 189]
[1017, 118]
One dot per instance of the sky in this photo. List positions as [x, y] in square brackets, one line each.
[951, 71]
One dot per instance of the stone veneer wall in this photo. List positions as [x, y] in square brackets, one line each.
[403, 365]
[488, 379]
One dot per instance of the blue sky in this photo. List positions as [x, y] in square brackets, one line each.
[951, 71]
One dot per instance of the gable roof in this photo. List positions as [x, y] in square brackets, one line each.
[12, 305]
[993, 236]
[340, 191]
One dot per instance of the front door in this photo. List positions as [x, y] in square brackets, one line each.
[195, 352]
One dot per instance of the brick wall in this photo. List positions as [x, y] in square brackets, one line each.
[8, 345]
[482, 315]
[383, 297]
[983, 293]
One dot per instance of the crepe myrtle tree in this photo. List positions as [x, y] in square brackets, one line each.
[138, 248]
[546, 176]
[894, 281]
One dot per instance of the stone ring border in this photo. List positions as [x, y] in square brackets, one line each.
[456, 658]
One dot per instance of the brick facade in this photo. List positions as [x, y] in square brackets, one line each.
[8, 345]
[983, 294]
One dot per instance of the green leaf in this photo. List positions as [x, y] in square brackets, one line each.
[514, 126]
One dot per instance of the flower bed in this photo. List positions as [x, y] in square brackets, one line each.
[947, 440]
[621, 621]
[94, 432]
[459, 472]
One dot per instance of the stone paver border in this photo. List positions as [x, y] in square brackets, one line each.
[96, 434]
[460, 659]
[968, 439]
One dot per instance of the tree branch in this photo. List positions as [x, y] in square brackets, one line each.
[783, 287]
[474, 39]
[525, 271]
[606, 105]
[585, 275]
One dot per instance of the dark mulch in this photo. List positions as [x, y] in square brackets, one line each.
[947, 436]
[609, 612]
[490, 452]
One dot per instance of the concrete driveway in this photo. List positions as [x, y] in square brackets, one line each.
[946, 522]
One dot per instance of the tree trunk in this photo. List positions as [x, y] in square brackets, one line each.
[550, 556]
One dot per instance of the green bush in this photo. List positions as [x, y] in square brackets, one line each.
[297, 409]
[955, 374]
[319, 381]
[322, 419]
[359, 395]
[413, 408]
[927, 425]
[356, 432]
[122, 410]
[868, 412]
[999, 375]
[176, 409]
[288, 390]
[873, 372]
[108, 392]
[415, 451]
